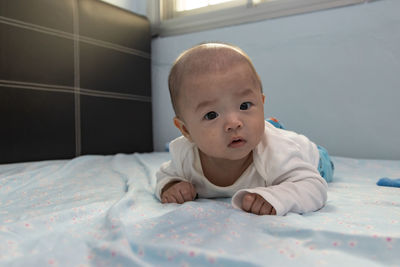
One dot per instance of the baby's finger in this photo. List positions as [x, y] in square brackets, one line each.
[247, 202]
[168, 199]
[186, 193]
[193, 192]
[177, 195]
[257, 204]
[266, 209]
[164, 200]
[273, 211]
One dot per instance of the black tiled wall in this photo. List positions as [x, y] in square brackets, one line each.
[74, 79]
[98, 64]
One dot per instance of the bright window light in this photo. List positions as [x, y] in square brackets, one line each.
[184, 5]
[170, 17]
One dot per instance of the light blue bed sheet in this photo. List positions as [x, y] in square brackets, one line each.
[101, 211]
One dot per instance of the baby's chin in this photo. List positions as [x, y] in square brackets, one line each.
[231, 156]
[241, 157]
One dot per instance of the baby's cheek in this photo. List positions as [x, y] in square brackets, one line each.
[260, 130]
[206, 138]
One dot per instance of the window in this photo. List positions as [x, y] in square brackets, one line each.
[185, 5]
[170, 17]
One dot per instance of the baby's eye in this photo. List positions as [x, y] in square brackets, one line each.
[245, 105]
[211, 115]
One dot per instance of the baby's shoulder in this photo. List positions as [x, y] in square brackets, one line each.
[281, 145]
[181, 148]
[284, 138]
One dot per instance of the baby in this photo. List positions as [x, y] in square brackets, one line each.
[227, 148]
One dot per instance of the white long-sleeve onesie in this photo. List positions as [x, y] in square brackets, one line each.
[284, 172]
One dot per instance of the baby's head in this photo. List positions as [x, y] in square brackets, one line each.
[203, 59]
[218, 101]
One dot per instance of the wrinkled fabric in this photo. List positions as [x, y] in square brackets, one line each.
[101, 211]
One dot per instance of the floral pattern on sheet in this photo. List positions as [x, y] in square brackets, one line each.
[101, 211]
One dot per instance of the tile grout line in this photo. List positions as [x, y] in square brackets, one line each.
[77, 98]
[62, 34]
[71, 89]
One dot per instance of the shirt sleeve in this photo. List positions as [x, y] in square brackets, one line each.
[292, 181]
[300, 191]
[167, 173]
[173, 170]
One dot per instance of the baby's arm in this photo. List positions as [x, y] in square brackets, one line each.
[299, 196]
[178, 192]
[170, 183]
[256, 204]
[173, 179]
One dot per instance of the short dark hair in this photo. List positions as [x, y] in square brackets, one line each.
[202, 58]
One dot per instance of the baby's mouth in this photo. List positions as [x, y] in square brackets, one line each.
[237, 142]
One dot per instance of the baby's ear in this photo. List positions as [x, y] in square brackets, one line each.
[263, 98]
[181, 126]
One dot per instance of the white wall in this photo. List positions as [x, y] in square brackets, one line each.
[137, 6]
[332, 75]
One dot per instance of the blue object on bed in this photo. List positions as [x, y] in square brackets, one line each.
[101, 211]
[385, 181]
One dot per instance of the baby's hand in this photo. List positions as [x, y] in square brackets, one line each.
[178, 192]
[254, 203]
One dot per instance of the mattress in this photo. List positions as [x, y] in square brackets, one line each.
[101, 211]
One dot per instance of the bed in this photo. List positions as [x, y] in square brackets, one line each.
[101, 211]
[77, 167]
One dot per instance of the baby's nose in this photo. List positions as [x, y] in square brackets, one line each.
[233, 123]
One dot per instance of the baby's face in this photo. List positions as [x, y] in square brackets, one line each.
[223, 112]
